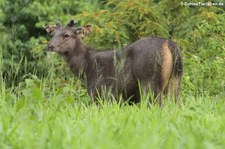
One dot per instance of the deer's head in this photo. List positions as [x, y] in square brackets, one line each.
[66, 38]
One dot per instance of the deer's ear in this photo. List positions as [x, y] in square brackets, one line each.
[88, 29]
[84, 31]
[50, 28]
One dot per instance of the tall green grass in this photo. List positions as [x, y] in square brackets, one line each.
[39, 117]
[59, 123]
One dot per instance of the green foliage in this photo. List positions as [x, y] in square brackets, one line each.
[127, 22]
[42, 106]
[22, 31]
[52, 122]
[198, 30]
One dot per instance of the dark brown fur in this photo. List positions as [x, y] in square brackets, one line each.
[151, 62]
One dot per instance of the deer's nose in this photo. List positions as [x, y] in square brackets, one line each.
[49, 47]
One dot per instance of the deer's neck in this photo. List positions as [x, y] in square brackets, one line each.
[79, 61]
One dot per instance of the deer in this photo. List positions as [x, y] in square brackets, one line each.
[151, 63]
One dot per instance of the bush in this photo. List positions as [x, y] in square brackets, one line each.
[198, 30]
[22, 35]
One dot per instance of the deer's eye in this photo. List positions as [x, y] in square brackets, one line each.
[66, 36]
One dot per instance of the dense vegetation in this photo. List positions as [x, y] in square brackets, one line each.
[43, 106]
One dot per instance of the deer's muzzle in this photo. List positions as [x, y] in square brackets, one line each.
[49, 47]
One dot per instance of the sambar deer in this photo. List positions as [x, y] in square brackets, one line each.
[150, 63]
